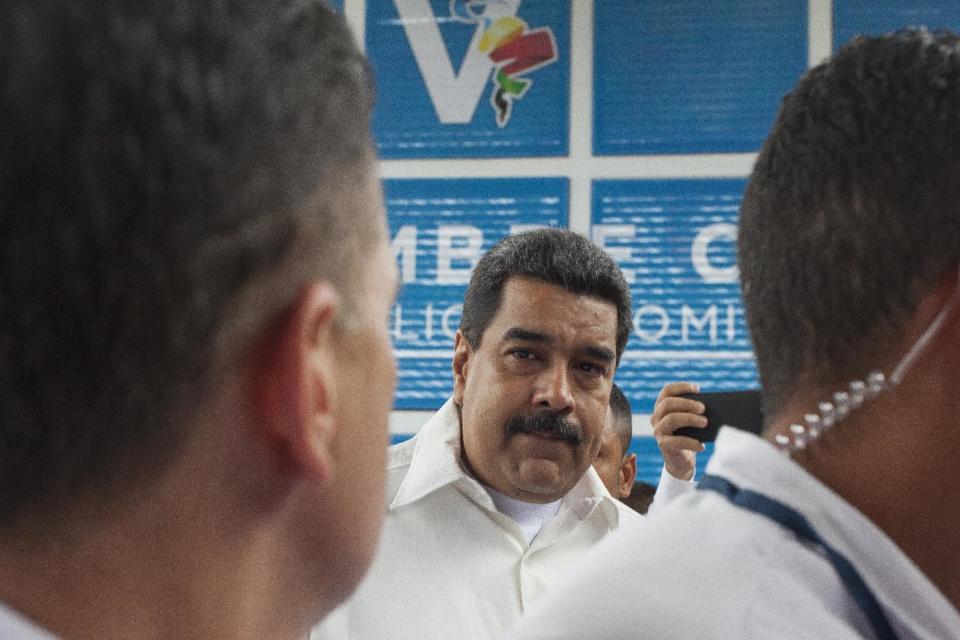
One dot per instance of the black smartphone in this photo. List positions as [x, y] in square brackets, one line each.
[740, 409]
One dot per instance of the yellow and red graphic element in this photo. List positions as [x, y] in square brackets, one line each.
[514, 48]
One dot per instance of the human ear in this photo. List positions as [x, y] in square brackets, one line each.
[294, 382]
[461, 360]
[628, 473]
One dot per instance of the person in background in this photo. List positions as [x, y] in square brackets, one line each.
[195, 369]
[841, 520]
[641, 497]
[615, 465]
[495, 497]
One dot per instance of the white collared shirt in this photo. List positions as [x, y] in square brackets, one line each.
[704, 568]
[450, 565]
[14, 626]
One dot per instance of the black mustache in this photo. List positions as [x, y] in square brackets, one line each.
[546, 423]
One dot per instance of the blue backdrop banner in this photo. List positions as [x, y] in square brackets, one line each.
[874, 17]
[470, 78]
[676, 242]
[688, 76]
[439, 229]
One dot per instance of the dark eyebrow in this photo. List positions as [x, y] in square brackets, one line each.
[600, 354]
[526, 335]
[517, 333]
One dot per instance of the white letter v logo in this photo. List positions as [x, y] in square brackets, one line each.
[455, 96]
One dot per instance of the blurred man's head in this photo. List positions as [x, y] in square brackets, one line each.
[616, 466]
[850, 217]
[848, 252]
[545, 319]
[191, 221]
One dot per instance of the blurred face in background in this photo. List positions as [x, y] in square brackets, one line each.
[616, 468]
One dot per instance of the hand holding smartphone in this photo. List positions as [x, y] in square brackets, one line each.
[740, 409]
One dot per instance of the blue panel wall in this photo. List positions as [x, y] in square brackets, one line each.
[439, 229]
[676, 242]
[678, 77]
[688, 76]
[469, 79]
[874, 17]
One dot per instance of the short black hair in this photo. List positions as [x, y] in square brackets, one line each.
[158, 161]
[622, 416]
[851, 213]
[556, 256]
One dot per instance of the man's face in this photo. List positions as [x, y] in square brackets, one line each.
[616, 468]
[533, 395]
[365, 379]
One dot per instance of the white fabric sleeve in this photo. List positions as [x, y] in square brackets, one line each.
[668, 489]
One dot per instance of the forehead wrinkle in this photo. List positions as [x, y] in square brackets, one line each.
[545, 314]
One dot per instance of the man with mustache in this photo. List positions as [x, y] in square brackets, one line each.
[496, 497]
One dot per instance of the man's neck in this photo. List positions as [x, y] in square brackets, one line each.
[885, 460]
[84, 593]
[146, 575]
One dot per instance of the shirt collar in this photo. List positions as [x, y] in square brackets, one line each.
[14, 626]
[754, 463]
[436, 457]
[435, 463]
[590, 493]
